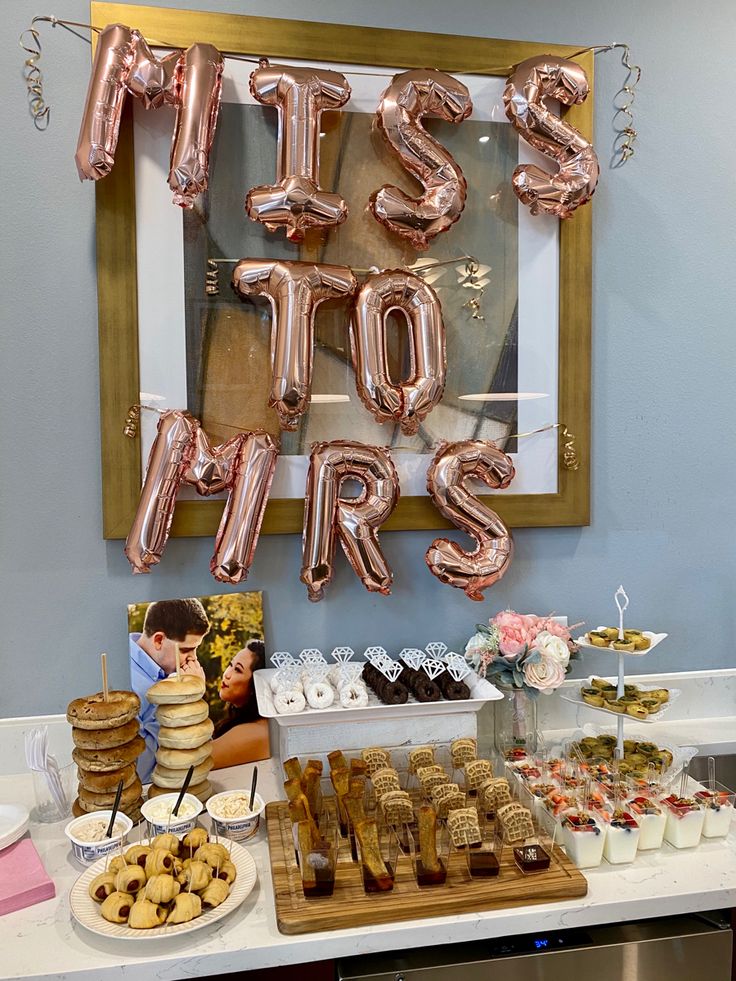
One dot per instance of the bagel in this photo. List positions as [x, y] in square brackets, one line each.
[174, 691]
[133, 810]
[104, 760]
[129, 795]
[182, 759]
[183, 714]
[105, 738]
[100, 783]
[203, 791]
[186, 737]
[93, 712]
[164, 776]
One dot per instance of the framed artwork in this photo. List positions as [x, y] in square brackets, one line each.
[227, 638]
[515, 289]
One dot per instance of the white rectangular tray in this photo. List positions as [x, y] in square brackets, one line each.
[577, 699]
[481, 691]
[655, 639]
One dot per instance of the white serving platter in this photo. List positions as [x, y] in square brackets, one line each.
[87, 912]
[654, 638]
[14, 821]
[481, 691]
[576, 698]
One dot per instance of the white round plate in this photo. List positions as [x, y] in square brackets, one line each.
[13, 823]
[87, 912]
[654, 638]
[576, 698]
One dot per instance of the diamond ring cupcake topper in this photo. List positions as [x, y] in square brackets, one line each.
[435, 649]
[341, 655]
[288, 673]
[280, 658]
[390, 669]
[351, 672]
[371, 653]
[457, 667]
[312, 656]
[413, 657]
[433, 667]
[315, 671]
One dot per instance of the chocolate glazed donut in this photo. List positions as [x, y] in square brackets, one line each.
[424, 689]
[454, 691]
[390, 692]
[393, 692]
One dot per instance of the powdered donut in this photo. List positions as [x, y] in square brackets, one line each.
[353, 695]
[320, 695]
[289, 702]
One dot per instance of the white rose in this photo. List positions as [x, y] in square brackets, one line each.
[555, 647]
[546, 674]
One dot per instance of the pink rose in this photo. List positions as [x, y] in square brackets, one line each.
[553, 627]
[545, 675]
[516, 632]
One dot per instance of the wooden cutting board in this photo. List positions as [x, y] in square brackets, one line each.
[349, 906]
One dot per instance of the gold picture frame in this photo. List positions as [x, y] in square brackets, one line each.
[117, 277]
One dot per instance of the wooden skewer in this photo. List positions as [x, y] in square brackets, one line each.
[178, 664]
[105, 689]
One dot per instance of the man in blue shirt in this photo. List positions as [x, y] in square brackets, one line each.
[168, 625]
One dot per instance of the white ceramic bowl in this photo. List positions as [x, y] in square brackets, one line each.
[178, 825]
[237, 828]
[89, 851]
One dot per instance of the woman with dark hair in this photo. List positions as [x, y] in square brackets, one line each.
[242, 735]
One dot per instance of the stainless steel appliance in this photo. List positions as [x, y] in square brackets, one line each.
[688, 948]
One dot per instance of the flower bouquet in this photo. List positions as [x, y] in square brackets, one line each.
[523, 651]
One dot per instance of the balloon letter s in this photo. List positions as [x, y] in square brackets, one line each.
[556, 78]
[452, 466]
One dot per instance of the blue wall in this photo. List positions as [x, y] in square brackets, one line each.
[664, 351]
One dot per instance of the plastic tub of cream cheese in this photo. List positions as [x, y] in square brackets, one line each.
[88, 835]
[158, 814]
[232, 816]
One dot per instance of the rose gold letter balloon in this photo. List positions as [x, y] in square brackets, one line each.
[98, 136]
[182, 454]
[296, 201]
[355, 520]
[150, 79]
[199, 90]
[556, 78]
[295, 290]
[409, 402]
[453, 465]
[410, 96]
[191, 80]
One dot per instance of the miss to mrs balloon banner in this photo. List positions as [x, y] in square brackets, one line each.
[190, 81]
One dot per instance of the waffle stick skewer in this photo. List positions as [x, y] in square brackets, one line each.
[427, 822]
[370, 849]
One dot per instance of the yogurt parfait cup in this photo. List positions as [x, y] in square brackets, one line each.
[584, 836]
[651, 817]
[231, 815]
[718, 804]
[158, 814]
[622, 838]
[81, 830]
[685, 818]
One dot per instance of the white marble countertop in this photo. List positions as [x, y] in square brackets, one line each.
[43, 942]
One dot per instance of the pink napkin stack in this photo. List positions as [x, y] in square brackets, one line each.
[23, 879]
